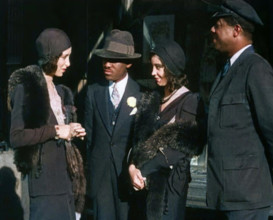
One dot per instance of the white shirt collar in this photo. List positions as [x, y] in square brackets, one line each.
[121, 85]
[238, 53]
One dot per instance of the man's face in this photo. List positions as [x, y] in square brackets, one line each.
[222, 36]
[114, 70]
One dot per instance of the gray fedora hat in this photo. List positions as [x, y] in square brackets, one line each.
[118, 45]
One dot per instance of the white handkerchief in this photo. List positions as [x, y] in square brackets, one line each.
[134, 111]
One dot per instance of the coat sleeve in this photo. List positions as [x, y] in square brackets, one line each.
[260, 96]
[164, 159]
[88, 116]
[21, 136]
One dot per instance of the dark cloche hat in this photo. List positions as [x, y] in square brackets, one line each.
[238, 8]
[50, 43]
[118, 45]
[171, 54]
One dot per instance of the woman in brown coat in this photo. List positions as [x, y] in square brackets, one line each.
[42, 130]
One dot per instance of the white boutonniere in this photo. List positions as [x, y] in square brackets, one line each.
[131, 101]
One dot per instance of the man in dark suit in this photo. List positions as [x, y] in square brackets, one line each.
[109, 113]
[240, 119]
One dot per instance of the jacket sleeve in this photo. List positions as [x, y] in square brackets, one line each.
[260, 96]
[21, 136]
[88, 116]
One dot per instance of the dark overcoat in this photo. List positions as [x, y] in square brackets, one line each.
[108, 146]
[240, 136]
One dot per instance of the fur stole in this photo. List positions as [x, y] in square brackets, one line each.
[36, 94]
[182, 135]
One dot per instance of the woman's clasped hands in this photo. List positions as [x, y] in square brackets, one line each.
[137, 180]
[70, 131]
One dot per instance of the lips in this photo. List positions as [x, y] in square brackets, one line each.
[107, 72]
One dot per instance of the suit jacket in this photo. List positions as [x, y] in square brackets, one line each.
[105, 146]
[240, 136]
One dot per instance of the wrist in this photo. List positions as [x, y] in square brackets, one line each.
[57, 129]
[132, 167]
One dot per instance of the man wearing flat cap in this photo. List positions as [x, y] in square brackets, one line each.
[109, 113]
[240, 119]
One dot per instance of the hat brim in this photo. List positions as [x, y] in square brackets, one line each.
[114, 55]
[221, 15]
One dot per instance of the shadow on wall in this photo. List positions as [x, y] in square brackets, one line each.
[10, 205]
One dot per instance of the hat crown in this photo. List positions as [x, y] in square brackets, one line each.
[239, 8]
[120, 42]
[52, 42]
[118, 45]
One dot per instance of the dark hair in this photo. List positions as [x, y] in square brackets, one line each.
[248, 27]
[50, 66]
[173, 81]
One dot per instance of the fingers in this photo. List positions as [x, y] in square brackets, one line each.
[77, 130]
[70, 131]
[136, 178]
[138, 184]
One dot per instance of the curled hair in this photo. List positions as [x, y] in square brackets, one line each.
[248, 27]
[173, 81]
[49, 66]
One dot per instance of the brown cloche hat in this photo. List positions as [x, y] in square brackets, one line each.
[118, 45]
[50, 43]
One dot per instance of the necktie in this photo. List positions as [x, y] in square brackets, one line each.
[225, 68]
[115, 96]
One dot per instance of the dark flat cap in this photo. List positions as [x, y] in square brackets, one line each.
[118, 45]
[238, 8]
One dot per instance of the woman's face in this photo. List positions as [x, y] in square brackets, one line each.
[63, 62]
[158, 71]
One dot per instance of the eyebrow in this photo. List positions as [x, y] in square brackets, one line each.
[65, 55]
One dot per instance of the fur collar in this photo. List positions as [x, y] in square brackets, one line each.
[34, 87]
[36, 94]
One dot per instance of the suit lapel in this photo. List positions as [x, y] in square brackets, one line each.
[101, 98]
[219, 84]
[215, 84]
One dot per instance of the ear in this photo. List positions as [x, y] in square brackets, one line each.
[237, 30]
[128, 66]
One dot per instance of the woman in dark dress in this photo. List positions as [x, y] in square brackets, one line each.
[167, 134]
[42, 130]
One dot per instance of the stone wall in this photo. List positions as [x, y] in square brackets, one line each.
[14, 190]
